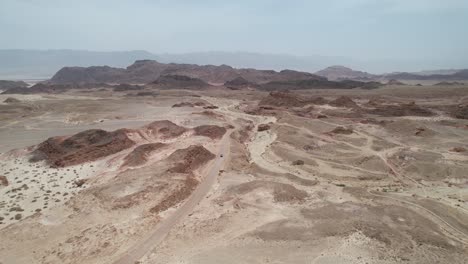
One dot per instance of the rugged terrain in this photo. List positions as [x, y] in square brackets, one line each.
[234, 175]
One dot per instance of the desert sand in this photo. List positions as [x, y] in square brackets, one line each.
[235, 176]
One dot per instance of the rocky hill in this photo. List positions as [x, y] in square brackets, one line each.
[322, 83]
[239, 83]
[458, 76]
[5, 85]
[338, 73]
[343, 73]
[146, 71]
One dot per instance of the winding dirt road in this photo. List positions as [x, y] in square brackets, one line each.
[154, 238]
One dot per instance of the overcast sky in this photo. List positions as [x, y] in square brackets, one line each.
[414, 29]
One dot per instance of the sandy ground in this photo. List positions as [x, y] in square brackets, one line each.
[381, 194]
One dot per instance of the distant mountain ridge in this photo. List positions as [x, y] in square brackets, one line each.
[42, 64]
[338, 73]
[457, 76]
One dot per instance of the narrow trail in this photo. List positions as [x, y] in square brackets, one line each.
[155, 237]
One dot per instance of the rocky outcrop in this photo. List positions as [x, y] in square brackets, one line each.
[263, 127]
[341, 130]
[140, 154]
[343, 101]
[3, 180]
[211, 131]
[89, 145]
[458, 149]
[11, 100]
[189, 159]
[164, 129]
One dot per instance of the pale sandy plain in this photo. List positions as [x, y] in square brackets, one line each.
[381, 194]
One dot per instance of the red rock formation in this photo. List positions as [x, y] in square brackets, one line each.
[213, 132]
[189, 159]
[344, 101]
[165, 129]
[140, 154]
[85, 146]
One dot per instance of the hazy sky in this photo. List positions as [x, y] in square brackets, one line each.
[365, 29]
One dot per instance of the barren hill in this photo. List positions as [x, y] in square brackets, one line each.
[239, 83]
[145, 71]
[317, 83]
[344, 73]
[460, 75]
[5, 85]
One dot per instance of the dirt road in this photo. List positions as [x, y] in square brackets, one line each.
[153, 239]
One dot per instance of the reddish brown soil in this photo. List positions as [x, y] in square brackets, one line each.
[213, 132]
[85, 146]
[165, 128]
[3, 181]
[189, 159]
[140, 154]
[344, 101]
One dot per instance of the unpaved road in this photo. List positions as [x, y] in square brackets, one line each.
[153, 239]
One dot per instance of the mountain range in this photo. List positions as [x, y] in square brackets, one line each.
[43, 64]
[146, 71]
[337, 73]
